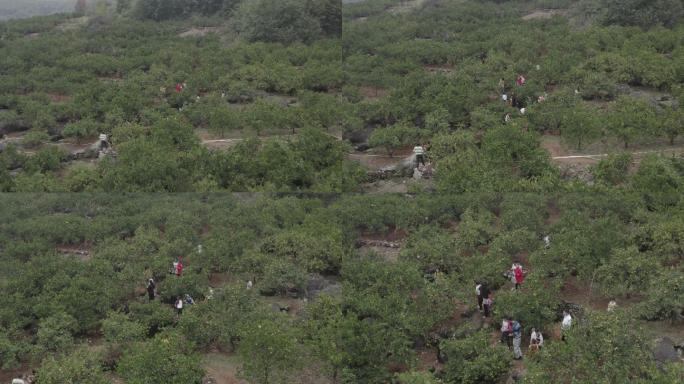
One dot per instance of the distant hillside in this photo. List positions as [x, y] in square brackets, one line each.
[17, 9]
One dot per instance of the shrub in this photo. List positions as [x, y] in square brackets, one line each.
[81, 129]
[269, 349]
[276, 21]
[593, 353]
[534, 307]
[154, 315]
[281, 276]
[164, 359]
[665, 297]
[35, 139]
[82, 366]
[473, 360]
[394, 137]
[432, 247]
[628, 272]
[612, 170]
[119, 328]
[56, 333]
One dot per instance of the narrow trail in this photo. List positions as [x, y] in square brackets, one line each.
[674, 151]
[406, 6]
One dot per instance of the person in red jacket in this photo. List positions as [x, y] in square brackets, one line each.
[179, 87]
[518, 274]
[521, 80]
[179, 267]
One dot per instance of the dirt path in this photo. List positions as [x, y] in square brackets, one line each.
[222, 367]
[376, 162]
[221, 144]
[199, 31]
[406, 6]
[562, 155]
[543, 14]
[388, 246]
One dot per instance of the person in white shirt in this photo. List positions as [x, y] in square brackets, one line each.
[547, 241]
[536, 340]
[179, 306]
[565, 324]
[419, 152]
[612, 305]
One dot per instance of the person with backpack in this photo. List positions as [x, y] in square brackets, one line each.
[506, 331]
[520, 80]
[478, 286]
[536, 340]
[189, 300]
[487, 304]
[516, 329]
[179, 267]
[150, 289]
[419, 151]
[178, 306]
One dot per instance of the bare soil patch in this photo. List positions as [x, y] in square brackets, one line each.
[394, 235]
[7, 375]
[199, 32]
[386, 186]
[438, 68]
[377, 160]
[295, 305]
[373, 93]
[427, 359]
[220, 279]
[82, 251]
[222, 367]
[386, 245]
[579, 292]
[73, 24]
[543, 14]
[373, 161]
[406, 6]
[73, 146]
[221, 144]
[593, 153]
[59, 98]
[13, 137]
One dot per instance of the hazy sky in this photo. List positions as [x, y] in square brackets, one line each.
[13, 9]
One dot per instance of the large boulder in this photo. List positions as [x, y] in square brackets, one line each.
[88, 153]
[407, 164]
[665, 351]
[358, 136]
[318, 284]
